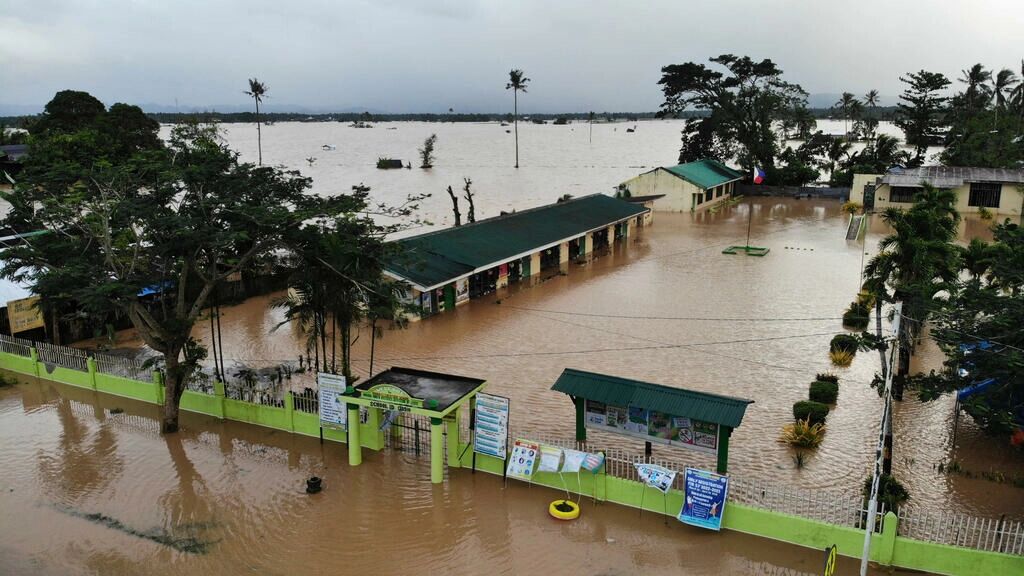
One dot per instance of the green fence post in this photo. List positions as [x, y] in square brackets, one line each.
[581, 422]
[436, 451]
[887, 543]
[452, 438]
[289, 409]
[158, 381]
[35, 360]
[219, 392]
[355, 450]
[723, 449]
[90, 364]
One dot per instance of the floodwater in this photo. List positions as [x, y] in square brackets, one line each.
[89, 486]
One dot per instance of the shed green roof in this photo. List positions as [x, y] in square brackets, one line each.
[706, 173]
[723, 410]
[436, 258]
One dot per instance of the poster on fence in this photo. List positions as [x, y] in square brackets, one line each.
[573, 460]
[550, 459]
[333, 412]
[523, 459]
[490, 435]
[24, 314]
[652, 426]
[704, 501]
[656, 476]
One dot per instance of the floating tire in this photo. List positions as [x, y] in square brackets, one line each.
[564, 510]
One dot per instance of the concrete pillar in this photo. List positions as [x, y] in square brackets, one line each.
[563, 252]
[588, 243]
[219, 392]
[887, 544]
[90, 364]
[35, 360]
[581, 423]
[611, 235]
[723, 449]
[158, 380]
[436, 451]
[535, 264]
[627, 228]
[355, 449]
[372, 435]
[452, 439]
[289, 410]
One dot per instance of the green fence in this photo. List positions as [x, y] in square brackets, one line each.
[888, 548]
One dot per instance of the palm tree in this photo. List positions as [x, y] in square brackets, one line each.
[1017, 96]
[845, 104]
[836, 150]
[590, 121]
[977, 79]
[257, 90]
[871, 101]
[1002, 88]
[517, 82]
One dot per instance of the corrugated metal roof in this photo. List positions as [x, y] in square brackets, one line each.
[706, 173]
[724, 410]
[440, 257]
[950, 176]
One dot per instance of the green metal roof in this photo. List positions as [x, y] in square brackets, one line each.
[723, 410]
[706, 173]
[440, 257]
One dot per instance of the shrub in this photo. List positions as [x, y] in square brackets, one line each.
[856, 316]
[866, 299]
[826, 377]
[984, 213]
[841, 358]
[891, 493]
[803, 434]
[824, 392]
[813, 412]
[851, 207]
[844, 342]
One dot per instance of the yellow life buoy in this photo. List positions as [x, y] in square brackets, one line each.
[564, 510]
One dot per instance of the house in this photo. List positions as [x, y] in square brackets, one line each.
[447, 267]
[998, 190]
[691, 186]
[11, 158]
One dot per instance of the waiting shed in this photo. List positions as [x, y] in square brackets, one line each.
[407, 391]
[653, 412]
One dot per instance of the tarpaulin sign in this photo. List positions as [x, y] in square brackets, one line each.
[593, 462]
[523, 459]
[704, 500]
[550, 459]
[573, 460]
[656, 476]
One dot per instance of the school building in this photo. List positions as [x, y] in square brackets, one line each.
[691, 186]
[998, 190]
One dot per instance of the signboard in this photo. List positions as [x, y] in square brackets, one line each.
[573, 460]
[656, 476]
[704, 501]
[490, 435]
[550, 459]
[461, 290]
[25, 314]
[523, 459]
[652, 426]
[333, 412]
[390, 397]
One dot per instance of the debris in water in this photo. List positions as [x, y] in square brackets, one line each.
[189, 544]
[117, 410]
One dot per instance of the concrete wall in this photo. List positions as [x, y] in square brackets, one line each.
[678, 192]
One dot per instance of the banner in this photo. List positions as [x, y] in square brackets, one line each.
[550, 459]
[24, 314]
[333, 412]
[652, 426]
[523, 459]
[490, 435]
[704, 502]
[573, 460]
[593, 462]
[656, 476]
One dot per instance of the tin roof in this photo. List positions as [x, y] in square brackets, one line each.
[440, 257]
[705, 173]
[950, 176]
[724, 410]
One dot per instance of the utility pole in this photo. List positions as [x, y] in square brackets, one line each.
[883, 452]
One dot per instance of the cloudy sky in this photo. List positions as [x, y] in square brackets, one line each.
[429, 55]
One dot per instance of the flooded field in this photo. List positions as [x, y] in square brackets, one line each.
[89, 486]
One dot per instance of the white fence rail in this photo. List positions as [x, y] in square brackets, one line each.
[955, 529]
[13, 345]
[65, 356]
[123, 367]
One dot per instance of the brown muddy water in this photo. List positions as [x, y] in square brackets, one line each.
[89, 486]
[757, 328]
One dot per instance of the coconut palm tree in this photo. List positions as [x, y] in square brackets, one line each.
[871, 99]
[845, 105]
[871, 121]
[836, 149]
[257, 90]
[517, 82]
[976, 78]
[1002, 88]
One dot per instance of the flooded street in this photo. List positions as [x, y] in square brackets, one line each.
[88, 489]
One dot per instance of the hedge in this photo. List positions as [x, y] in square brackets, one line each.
[807, 409]
[844, 342]
[824, 392]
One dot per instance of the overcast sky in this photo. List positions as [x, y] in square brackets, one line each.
[429, 55]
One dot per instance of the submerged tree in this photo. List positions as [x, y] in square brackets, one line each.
[427, 152]
[471, 214]
[455, 206]
[517, 82]
[257, 90]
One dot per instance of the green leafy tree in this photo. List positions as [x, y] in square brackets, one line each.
[258, 91]
[427, 152]
[922, 111]
[517, 82]
[69, 111]
[739, 105]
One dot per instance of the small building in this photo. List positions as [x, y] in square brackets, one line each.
[691, 186]
[646, 202]
[448, 267]
[997, 190]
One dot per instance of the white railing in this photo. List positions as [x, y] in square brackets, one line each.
[255, 393]
[65, 356]
[123, 367]
[829, 507]
[956, 529]
[13, 345]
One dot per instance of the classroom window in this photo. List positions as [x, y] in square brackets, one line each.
[903, 193]
[985, 194]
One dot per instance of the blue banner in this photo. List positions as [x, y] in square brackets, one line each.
[704, 500]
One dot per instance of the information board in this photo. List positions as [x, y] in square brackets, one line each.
[24, 314]
[704, 501]
[656, 476]
[652, 426]
[333, 411]
[523, 459]
[490, 434]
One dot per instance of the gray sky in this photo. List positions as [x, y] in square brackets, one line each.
[429, 55]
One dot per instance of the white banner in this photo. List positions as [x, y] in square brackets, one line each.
[333, 411]
[490, 435]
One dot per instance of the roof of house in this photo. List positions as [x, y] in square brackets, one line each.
[642, 199]
[436, 258]
[13, 152]
[724, 410]
[445, 389]
[950, 176]
[705, 173]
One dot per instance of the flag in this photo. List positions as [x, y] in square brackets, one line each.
[758, 176]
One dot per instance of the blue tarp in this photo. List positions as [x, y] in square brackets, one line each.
[975, 388]
[155, 288]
